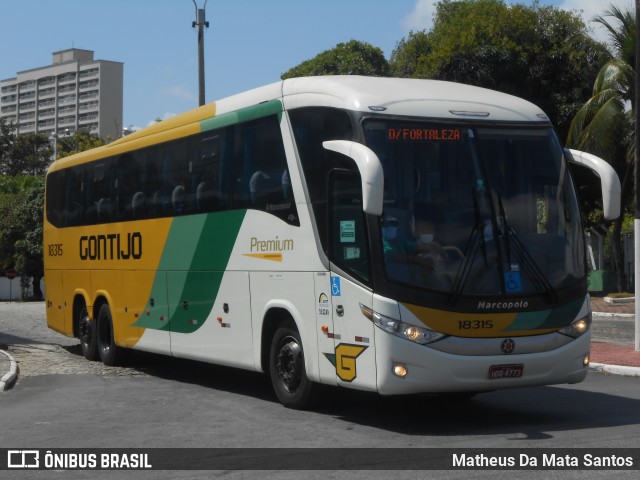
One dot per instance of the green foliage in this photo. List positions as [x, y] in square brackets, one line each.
[605, 125]
[542, 54]
[351, 58]
[22, 154]
[408, 54]
[78, 142]
[21, 233]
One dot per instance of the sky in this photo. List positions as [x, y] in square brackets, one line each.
[249, 43]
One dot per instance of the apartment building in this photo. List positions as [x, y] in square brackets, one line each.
[74, 92]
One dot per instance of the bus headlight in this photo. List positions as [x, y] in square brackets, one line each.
[577, 327]
[400, 329]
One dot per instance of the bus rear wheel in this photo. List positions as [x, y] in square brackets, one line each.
[286, 367]
[109, 352]
[87, 335]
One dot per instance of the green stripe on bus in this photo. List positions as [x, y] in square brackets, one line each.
[556, 317]
[193, 262]
[272, 107]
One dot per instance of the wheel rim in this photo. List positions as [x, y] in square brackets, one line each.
[290, 364]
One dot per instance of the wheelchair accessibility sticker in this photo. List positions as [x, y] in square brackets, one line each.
[335, 286]
[513, 281]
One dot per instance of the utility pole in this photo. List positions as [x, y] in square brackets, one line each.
[636, 175]
[200, 23]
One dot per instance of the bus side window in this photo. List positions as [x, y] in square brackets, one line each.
[100, 187]
[205, 173]
[261, 171]
[348, 247]
[72, 214]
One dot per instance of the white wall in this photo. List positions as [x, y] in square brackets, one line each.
[13, 287]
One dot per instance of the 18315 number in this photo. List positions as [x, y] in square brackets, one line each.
[474, 324]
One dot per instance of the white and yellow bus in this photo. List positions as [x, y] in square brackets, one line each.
[388, 235]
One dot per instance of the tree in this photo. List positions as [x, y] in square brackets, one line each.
[28, 249]
[7, 136]
[30, 154]
[78, 142]
[542, 54]
[21, 201]
[604, 125]
[351, 58]
[22, 154]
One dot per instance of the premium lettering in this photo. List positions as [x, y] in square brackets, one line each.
[112, 246]
[276, 245]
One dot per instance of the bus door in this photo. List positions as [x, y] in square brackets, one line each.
[354, 355]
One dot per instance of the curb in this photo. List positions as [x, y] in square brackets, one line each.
[7, 380]
[613, 314]
[615, 369]
[613, 300]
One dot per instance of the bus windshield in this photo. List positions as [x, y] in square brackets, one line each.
[469, 210]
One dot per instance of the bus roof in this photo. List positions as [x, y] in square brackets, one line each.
[405, 96]
[392, 96]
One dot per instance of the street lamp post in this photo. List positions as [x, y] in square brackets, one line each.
[200, 23]
[56, 138]
[636, 222]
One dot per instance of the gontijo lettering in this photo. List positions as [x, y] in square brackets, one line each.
[112, 246]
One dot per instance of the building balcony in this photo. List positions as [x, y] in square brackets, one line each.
[46, 124]
[48, 82]
[66, 121]
[66, 78]
[9, 118]
[26, 127]
[67, 88]
[50, 92]
[27, 106]
[46, 103]
[47, 113]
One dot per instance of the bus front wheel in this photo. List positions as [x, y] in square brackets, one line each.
[87, 335]
[109, 352]
[286, 367]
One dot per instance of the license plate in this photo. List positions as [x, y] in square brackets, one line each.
[505, 371]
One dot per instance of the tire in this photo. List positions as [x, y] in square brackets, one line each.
[87, 335]
[286, 367]
[109, 352]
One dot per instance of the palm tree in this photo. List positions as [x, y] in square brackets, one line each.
[605, 124]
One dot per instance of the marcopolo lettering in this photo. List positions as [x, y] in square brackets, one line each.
[112, 246]
[482, 305]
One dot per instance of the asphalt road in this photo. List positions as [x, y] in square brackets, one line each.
[63, 401]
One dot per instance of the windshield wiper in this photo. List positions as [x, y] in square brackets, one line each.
[476, 237]
[533, 271]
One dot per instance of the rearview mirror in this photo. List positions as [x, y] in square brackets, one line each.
[608, 179]
[370, 170]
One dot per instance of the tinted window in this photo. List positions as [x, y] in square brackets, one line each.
[240, 166]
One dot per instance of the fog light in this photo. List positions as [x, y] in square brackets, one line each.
[585, 360]
[400, 370]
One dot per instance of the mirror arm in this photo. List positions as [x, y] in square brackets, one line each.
[608, 179]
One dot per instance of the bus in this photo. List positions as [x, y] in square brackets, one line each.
[389, 235]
